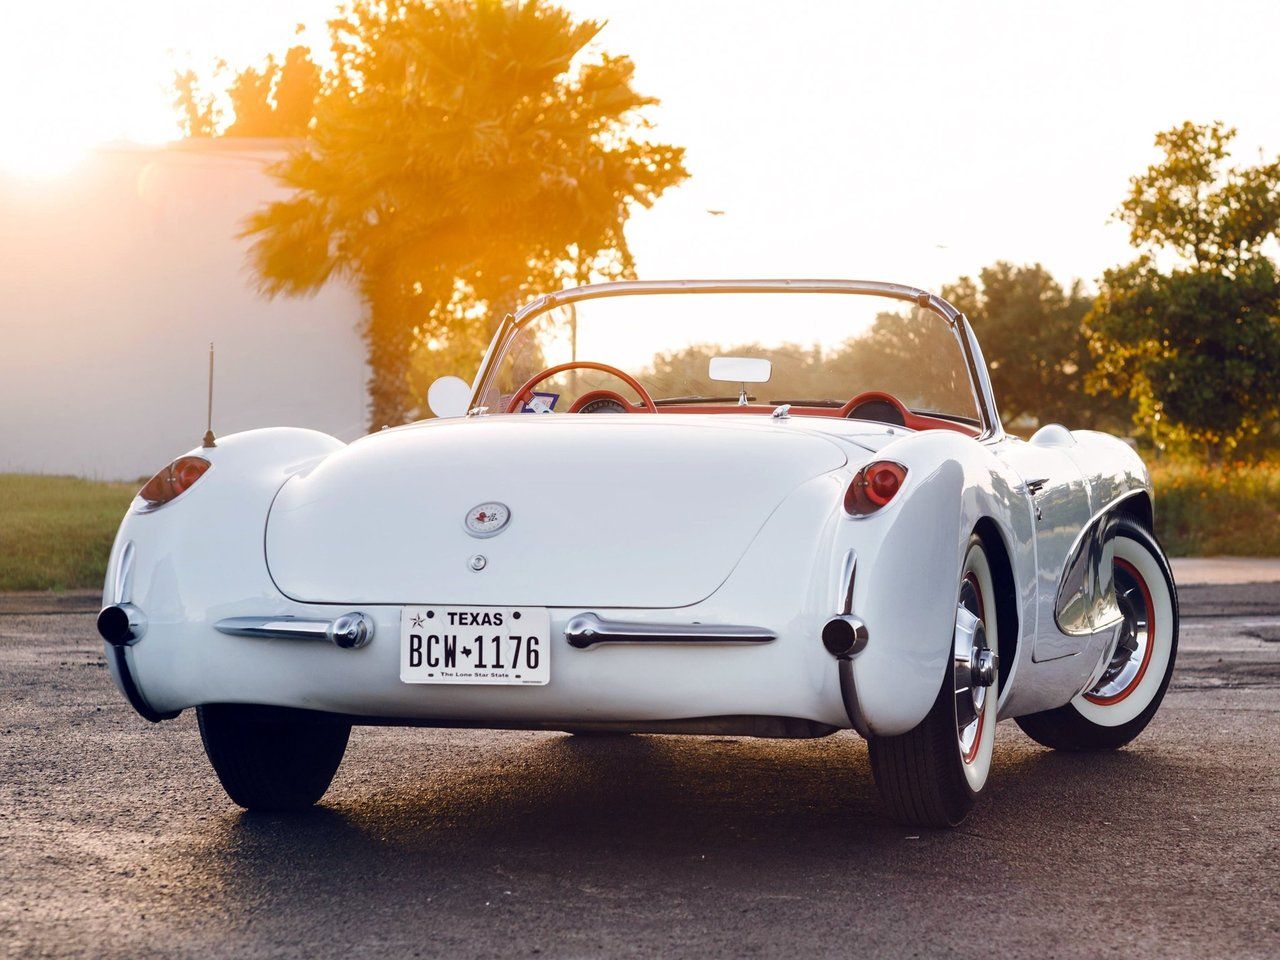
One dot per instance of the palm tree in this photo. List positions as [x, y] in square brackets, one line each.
[464, 153]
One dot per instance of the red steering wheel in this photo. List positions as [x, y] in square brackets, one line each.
[525, 393]
[877, 396]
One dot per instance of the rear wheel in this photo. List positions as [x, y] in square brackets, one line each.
[931, 775]
[272, 758]
[1125, 696]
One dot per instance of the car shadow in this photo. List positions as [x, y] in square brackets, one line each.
[646, 827]
[563, 796]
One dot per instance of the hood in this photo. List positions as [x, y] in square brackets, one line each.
[622, 511]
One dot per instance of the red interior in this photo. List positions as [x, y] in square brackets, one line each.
[912, 421]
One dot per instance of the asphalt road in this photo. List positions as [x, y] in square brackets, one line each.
[116, 839]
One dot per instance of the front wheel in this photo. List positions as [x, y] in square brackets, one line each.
[1125, 696]
[272, 758]
[931, 775]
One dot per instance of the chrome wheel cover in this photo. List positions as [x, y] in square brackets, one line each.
[1133, 645]
[974, 666]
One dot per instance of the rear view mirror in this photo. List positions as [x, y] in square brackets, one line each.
[740, 369]
[449, 397]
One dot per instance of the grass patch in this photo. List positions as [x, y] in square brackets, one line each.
[1227, 510]
[56, 532]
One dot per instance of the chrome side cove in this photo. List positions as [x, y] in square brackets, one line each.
[586, 630]
[1086, 600]
[349, 631]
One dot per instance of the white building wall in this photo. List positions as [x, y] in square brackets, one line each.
[113, 280]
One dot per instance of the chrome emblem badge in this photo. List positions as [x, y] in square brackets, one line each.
[487, 519]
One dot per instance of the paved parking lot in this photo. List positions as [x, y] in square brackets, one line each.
[116, 840]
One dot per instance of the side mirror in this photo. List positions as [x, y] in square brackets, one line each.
[449, 397]
[740, 369]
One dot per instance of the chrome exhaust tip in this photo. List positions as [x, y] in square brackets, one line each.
[122, 624]
[845, 636]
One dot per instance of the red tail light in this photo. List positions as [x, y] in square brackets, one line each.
[174, 479]
[873, 486]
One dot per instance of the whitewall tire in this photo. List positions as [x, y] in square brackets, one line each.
[1127, 690]
[931, 775]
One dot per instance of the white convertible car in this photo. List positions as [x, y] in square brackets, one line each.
[757, 508]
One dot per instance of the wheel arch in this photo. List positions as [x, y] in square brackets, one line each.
[993, 542]
[1139, 509]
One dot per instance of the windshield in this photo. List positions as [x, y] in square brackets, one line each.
[823, 349]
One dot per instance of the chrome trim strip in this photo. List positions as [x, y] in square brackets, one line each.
[624, 288]
[349, 631]
[979, 379]
[122, 589]
[131, 692]
[848, 571]
[844, 664]
[587, 629]
[849, 696]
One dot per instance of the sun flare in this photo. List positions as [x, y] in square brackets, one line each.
[41, 160]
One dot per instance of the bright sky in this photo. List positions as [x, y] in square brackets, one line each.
[901, 141]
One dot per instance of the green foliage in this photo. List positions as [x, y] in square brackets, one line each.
[798, 372]
[910, 355]
[1229, 509]
[1198, 349]
[1035, 346]
[1189, 203]
[57, 531]
[463, 156]
[1195, 344]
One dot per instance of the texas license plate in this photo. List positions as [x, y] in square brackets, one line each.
[475, 645]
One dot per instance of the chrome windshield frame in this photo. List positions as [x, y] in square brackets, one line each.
[979, 379]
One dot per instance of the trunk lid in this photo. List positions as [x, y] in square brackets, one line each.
[622, 511]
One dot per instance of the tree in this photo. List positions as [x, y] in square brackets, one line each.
[1191, 329]
[277, 101]
[274, 100]
[198, 114]
[464, 154]
[909, 354]
[798, 372]
[1035, 345]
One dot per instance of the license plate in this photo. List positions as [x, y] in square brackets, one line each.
[507, 645]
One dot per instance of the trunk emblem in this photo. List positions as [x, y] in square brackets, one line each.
[487, 519]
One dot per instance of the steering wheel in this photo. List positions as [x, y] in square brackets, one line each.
[525, 393]
[875, 405]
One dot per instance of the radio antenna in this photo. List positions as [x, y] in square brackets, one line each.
[209, 439]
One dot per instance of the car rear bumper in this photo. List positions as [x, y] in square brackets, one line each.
[660, 671]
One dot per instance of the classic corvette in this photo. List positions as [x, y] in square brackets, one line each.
[775, 508]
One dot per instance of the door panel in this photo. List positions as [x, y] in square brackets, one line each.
[1061, 510]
